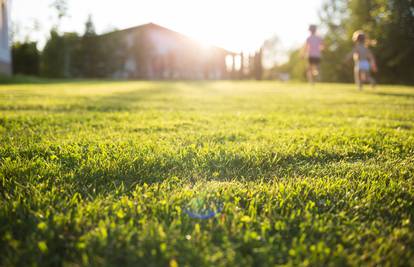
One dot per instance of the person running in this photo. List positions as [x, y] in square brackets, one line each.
[313, 51]
[364, 60]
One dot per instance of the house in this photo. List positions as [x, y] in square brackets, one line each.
[151, 51]
[5, 54]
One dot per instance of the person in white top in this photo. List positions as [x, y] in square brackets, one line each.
[364, 60]
[313, 51]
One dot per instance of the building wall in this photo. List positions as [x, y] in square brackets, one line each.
[169, 55]
[5, 54]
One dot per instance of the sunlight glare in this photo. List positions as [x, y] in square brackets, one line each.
[232, 24]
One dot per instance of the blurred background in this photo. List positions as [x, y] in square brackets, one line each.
[194, 39]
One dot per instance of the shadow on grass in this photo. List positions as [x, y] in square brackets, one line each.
[93, 171]
[405, 95]
[23, 79]
[121, 175]
[124, 101]
[165, 93]
[113, 102]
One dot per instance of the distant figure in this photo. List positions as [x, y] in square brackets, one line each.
[313, 50]
[364, 60]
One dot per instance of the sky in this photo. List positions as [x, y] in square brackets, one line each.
[236, 25]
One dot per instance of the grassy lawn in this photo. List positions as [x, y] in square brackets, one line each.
[117, 173]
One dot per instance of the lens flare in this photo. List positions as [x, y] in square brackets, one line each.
[205, 201]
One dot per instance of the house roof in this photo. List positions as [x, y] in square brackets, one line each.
[169, 31]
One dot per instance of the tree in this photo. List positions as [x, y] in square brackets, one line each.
[258, 65]
[57, 56]
[26, 58]
[296, 66]
[242, 66]
[387, 22]
[337, 41]
[272, 52]
[89, 27]
[88, 56]
[61, 8]
[90, 51]
[392, 27]
[52, 60]
[57, 60]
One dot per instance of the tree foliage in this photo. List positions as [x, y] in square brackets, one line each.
[59, 54]
[389, 27]
[296, 66]
[26, 58]
[61, 8]
[87, 56]
[90, 52]
[258, 65]
[387, 22]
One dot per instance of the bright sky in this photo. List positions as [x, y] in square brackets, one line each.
[237, 25]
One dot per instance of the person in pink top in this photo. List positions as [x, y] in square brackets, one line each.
[313, 51]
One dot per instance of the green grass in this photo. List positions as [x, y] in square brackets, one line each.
[101, 173]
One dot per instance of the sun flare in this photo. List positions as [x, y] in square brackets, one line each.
[233, 25]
